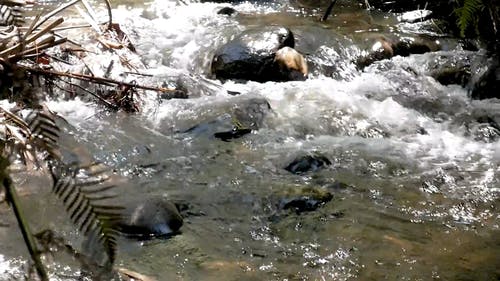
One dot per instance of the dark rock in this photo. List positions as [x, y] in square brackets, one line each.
[381, 49]
[488, 120]
[408, 46]
[233, 93]
[175, 94]
[307, 163]
[155, 217]
[244, 116]
[235, 133]
[228, 11]
[385, 48]
[222, 122]
[422, 131]
[452, 76]
[251, 56]
[450, 67]
[305, 200]
[251, 113]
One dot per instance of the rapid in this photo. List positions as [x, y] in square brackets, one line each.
[414, 168]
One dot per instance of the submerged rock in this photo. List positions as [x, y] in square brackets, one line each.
[486, 130]
[156, 217]
[252, 56]
[307, 163]
[251, 113]
[302, 200]
[244, 116]
[234, 133]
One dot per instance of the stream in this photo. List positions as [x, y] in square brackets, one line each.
[414, 173]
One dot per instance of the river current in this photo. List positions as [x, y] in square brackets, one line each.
[414, 172]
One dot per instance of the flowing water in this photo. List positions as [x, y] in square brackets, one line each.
[414, 174]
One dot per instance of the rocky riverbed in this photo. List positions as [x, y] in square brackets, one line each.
[367, 158]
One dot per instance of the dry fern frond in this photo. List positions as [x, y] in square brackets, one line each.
[31, 139]
[11, 12]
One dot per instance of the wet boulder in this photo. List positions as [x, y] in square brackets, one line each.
[418, 45]
[246, 117]
[307, 163]
[251, 112]
[386, 48]
[380, 50]
[291, 64]
[252, 56]
[485, 83]
[448, 67]
[475, 71]
[156, 217]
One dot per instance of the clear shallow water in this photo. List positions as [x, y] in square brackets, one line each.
[421, 191]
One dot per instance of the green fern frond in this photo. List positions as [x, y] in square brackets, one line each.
[468, 14]
[85, 197]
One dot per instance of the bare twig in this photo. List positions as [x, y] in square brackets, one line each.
[37, 49]
[16, 48]
[328, 10]
[107, 103]
[55, 12]
[110, 14]
[11, 196]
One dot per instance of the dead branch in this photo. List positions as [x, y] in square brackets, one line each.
[97, 80]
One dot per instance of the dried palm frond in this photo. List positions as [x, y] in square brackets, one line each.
[31, 139]
[11, 12]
